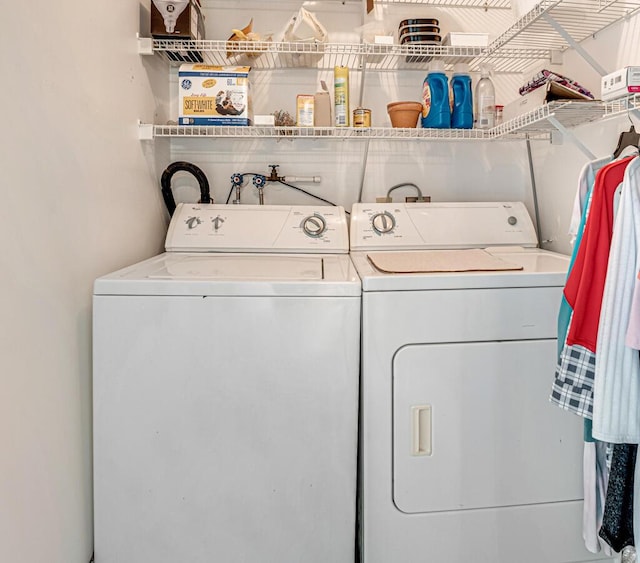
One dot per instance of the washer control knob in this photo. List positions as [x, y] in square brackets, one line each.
[383, 222]
[192, 222]
[512, 220]
[314, 225]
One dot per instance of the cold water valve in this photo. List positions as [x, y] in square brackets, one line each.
[259, 182]
[236, 183]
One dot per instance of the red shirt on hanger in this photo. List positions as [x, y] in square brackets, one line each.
[585, 285]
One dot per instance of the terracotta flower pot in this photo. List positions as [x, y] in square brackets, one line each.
[404, 114]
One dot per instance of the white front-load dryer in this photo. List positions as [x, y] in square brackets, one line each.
[226, 392]
[463, 456]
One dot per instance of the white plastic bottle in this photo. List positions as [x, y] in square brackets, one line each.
[485, 98]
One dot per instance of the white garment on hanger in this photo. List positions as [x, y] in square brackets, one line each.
[596, 476]
[616, 398]
[586, 180]
[633, 329]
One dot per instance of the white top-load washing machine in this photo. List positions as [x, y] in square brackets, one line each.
[226, 391]
[463, 457]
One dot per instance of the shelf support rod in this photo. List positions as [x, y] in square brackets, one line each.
[534, 191]
[366, 8]
[574, 44]
[365, 157]
[568, 134]
[363, 57]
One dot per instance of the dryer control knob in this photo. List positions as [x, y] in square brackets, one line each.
[512, 220]
[314, 225]
[383, 222]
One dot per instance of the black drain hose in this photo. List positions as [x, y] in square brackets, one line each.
[182, 166]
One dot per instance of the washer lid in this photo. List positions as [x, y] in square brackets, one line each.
[235, 274]
[538, 268]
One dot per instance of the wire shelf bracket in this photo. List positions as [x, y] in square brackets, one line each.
[574, 44]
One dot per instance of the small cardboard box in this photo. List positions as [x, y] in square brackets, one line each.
[458, 39]
[189, 26]
[322, 109]
[214, 95]
[621, 82]
[548, 92]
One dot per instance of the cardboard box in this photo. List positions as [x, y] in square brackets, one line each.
[621, 82]
[322, 109]
[551, 91]
[189, 26]
[214, 95]
[458, 39]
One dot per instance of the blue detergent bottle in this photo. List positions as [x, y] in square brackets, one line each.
[436, 109]
[461, 97]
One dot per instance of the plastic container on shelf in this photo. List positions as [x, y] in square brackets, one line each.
[461, 97]
[485, 98]
[341, 96]
[436, 108]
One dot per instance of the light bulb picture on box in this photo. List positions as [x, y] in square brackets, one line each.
[170, 10]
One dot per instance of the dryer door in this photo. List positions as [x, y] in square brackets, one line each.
[473, 428]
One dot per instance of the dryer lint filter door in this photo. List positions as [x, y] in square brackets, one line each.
[473, 428]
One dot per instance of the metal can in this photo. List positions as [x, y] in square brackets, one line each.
[361, 117]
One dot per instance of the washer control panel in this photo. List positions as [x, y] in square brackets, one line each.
[257, 228]
[407, 226]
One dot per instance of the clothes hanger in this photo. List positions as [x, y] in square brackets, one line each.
[627, 138]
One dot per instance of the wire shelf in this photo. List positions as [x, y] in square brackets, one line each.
[579, 18]
[484, 4]
[267, 55]
[530, 39]
[540, 121]
[621, 106]
[338, 133]
[536, 124]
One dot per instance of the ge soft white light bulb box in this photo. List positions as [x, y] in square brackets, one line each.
[214, 95]
[621, 82]
[188, 24]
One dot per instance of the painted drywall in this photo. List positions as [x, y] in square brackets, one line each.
[557, 166]
[79, 198]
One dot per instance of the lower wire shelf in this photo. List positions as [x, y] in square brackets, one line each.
[538, 123]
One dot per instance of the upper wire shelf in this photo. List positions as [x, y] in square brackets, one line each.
[484, 4]
[579, 19]
[532, 38]
[271, 55]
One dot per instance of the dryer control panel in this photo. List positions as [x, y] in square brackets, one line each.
[414, 226]
[258, 228]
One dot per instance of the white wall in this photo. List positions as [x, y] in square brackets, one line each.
[79, 198]
[557, 166]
